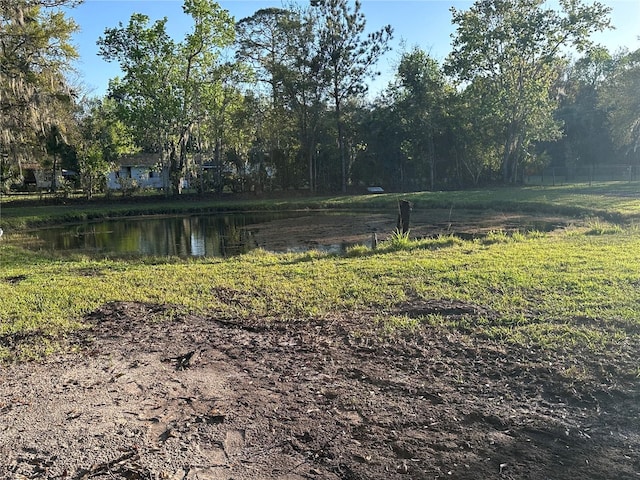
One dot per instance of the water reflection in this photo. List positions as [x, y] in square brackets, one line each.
[196, 236]
[233, 234]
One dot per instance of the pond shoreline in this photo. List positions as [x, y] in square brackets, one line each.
[227, 234]
[612, 202]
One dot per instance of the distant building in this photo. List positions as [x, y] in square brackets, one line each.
[43, 178]
[143, 168]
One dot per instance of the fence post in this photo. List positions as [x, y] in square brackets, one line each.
[404, 207]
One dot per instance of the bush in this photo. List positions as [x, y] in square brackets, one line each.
[128, 186]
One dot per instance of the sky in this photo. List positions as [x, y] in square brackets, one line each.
[422, 23]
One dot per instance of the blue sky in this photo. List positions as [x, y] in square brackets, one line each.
[425, 23]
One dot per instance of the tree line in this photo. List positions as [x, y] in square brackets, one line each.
[278, 100]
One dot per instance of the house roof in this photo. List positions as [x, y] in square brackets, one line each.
[139, 160]
[30, 165]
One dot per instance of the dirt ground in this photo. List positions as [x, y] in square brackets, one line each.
[334, 231]
[200, 398]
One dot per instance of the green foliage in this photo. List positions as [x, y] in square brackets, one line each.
[167, 83]
[304, 121]
[347, 59]
[511, 52]
[265, 43]
[496, 236]
[619, 96]
[598, 227]
[93, 169]
[128, 186]
[35, 54]
[399, 240]
[477, 133]
[104, 138]
[358, 251]
[420, 99]
[586, 140]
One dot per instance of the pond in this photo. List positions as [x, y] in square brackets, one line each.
[223, 235]
[183, 236]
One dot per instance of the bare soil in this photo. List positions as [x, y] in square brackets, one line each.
[339, 229]
[144, 397]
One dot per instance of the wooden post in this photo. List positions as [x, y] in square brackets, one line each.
[404, 208]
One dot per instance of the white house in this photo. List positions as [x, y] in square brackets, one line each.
[143, 168]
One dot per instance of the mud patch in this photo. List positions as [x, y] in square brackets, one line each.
[15, 279]
[451, 309]
[310, 399]
[340, 230]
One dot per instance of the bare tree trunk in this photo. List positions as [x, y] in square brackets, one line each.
[343, 159]
[432, 159]
[218, 156]
[54, 185]
[311, 154]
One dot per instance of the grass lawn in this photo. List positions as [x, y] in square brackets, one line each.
[575, 287]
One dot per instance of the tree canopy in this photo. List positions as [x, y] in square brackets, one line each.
[35, 54]
[621, 99]
[279, 99]
[165, 81]
[513, 50]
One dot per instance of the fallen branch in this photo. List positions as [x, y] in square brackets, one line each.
[107, 467]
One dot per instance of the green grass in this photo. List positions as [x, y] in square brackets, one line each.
[575, 288]
[553, 291]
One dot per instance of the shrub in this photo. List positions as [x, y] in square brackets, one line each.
[399, 240]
